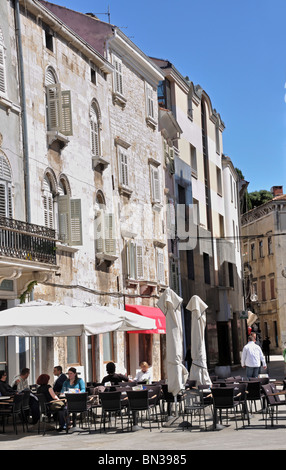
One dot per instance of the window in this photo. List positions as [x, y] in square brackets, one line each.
[160, 266]
[252, 251]
[190, 103]
[231, 189]
[270, 247]
[263, 290]
[118, 77]
[155, 184]
[5, 188]
[59, 114]
[221, 225]
[105, 240]
[73, 350]
[108, 348]
[217, 143]
[190, 264]
[69, 216]
[93, 74]
[260, 247]
[193, 155]
[49, 41]
[272, 288]
[164, 94]
[218, 180]
[95, 129]
[207, 274]
[150, 101]
[174, 277]
[48, 202]
[134, 260]
[230, 275]
[3, 84]
[123, 168]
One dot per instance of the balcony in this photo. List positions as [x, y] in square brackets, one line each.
[27, 252]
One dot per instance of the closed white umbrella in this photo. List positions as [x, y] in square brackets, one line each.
[199, 370]
[42, 318]
[170, 304]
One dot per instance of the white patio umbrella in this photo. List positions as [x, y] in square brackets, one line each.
[199, 370]
[42, 318]
[170, 304]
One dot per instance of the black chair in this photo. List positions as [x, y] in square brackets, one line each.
[169, 399]
[26, 406]
[45, 412]
[190, 384]
[77, 404]
[14, 410]
[224, 399]
[155, 399]
[254, 394]
[273, 402]
[112, 404]
[240, 390]
[138, 401]
[194, 406]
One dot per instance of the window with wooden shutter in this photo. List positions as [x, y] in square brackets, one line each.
[150, 101]
[94, 131]
[155, 184]
[48, 204]
[160, 266]
[76, 223]
[123, 168]
[5, 188]
[118, 77]
[134, 260]
[2, 69]
[109, 234]
[59, 109]
[174, 276]
[64, 214]
[66, 127]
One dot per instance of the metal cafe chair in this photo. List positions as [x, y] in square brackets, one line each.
[111, 404]
[13, 409]
[194, 406]
[224, 399]
[138, 401]
[77, 404]
[273, 402]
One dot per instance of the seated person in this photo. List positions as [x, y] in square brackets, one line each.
[46, 389]
[112, 376]
[144, 375]
[73, 382]
[58, 372]
[5, 389]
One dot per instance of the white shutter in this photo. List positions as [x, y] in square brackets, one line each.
[118, 81]
[155, 184]
[139, 262]
[66, 124]
[48, 210]
[76, 223]
[9, 208]
[64, 218]
[109, 234]
[160, 266]
[123, 164]
[2, 199]
[150, 101]
[54, 102]
[2, 71]
[131, 259]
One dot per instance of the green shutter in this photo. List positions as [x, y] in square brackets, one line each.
[54, 101]
[66, 127]
[64, 219]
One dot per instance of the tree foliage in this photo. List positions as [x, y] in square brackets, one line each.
[255, 198]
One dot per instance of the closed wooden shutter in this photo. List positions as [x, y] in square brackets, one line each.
[155, 184]
[94, 132]
[76, 222]
[66, 126]
[99, 231]
[109, 234]
[123, 163]
[160, 266]
[139, 261]
[54, 102]
[64, 219]
[2, 71]
[118, 76]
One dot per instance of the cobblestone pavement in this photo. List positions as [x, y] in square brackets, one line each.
[172, 437]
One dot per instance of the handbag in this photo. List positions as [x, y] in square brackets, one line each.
[57, 405]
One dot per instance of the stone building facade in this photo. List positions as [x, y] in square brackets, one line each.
[263, 232]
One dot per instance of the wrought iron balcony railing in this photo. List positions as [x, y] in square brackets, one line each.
[27, 241]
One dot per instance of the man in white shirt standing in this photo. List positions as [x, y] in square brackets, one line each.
[252, 357]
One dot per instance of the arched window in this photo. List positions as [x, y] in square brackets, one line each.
[59, 115]
[48, 202]
[95, 130]
[5, 187]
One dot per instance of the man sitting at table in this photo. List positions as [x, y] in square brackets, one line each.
[112, 376]
[5, 389]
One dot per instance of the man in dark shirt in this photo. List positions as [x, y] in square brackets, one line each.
[112, 377]
[5, 389]
[58, 372]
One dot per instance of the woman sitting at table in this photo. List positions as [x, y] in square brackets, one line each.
[47, 390]
[5, 389]
[73, 382]
[144, 375]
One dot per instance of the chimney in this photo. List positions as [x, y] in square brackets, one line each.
[277, 190]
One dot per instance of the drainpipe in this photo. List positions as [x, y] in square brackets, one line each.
[25, 154]
[24, 113]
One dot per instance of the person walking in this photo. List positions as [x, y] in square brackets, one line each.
[252, 357]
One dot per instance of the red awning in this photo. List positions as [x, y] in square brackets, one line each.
[150, 312]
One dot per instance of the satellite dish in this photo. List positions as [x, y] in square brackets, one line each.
[253, 298]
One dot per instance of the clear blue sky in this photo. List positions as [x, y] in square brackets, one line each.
[236, 50]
